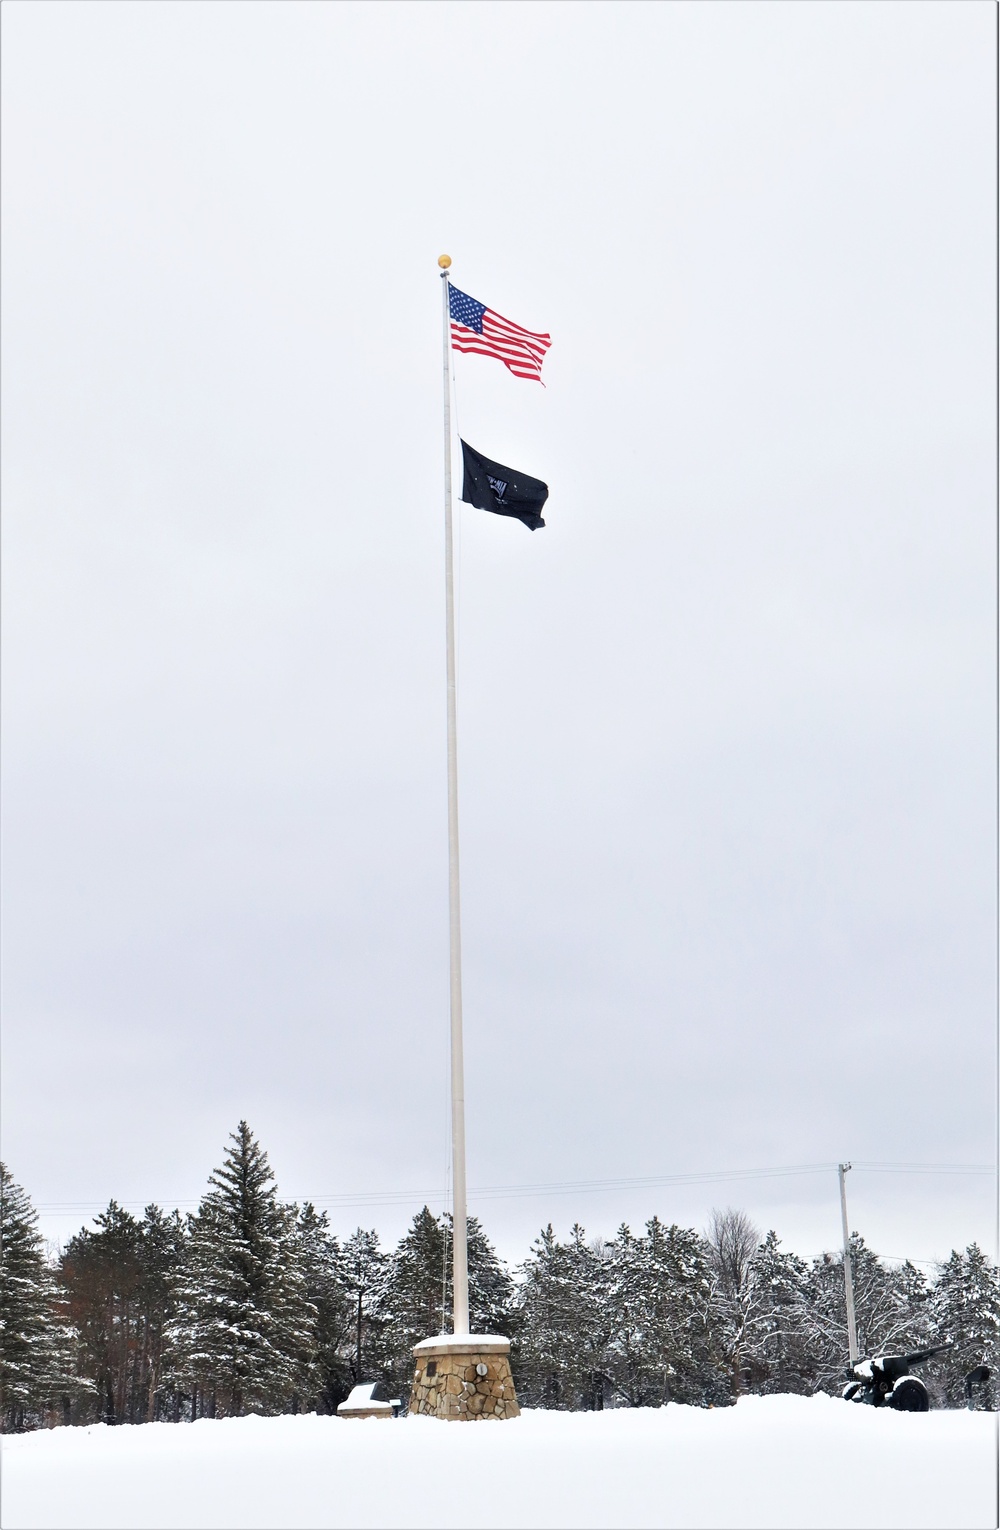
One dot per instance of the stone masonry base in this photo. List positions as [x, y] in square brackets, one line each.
[464, 1377]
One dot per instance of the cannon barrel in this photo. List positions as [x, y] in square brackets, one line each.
[918, 1356]
[893, 1367]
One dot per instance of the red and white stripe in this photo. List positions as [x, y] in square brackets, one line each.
[520, 351]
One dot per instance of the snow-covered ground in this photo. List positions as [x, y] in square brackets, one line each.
[770, 1461]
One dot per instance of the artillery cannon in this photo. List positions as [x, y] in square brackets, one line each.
[885, 1381]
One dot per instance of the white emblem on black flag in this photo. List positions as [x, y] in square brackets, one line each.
[491, 486]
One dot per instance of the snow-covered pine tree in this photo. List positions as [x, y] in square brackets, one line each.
[416, 1298]
[560, 1356]
[776, 1351]
[684, 1317]
[326, 1273]
[964, 1310]
[628, 1297]
[119, 1279]
[366, 1272]
[664, 1342]
[101, 1271]
[38, 1376]
[244, 1334]
[491, 1289]
[162, 1240]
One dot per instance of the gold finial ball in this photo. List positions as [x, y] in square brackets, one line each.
[444, 261]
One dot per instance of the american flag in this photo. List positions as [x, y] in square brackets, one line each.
[477, 329]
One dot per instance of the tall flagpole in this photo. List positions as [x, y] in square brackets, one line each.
[445, 1361]
[460, 1256]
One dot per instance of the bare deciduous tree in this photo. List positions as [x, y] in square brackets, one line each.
[734, 1242]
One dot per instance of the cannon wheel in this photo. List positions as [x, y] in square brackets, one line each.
[909, 1395]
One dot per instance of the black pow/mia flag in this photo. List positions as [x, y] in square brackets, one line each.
[489, 486]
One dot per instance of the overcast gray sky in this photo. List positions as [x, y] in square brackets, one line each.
[726, 724]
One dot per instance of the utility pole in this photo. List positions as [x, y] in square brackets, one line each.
[852, 1327]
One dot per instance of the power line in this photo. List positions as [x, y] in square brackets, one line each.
[360, 1199]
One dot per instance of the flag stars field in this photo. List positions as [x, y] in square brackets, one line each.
[477, 330]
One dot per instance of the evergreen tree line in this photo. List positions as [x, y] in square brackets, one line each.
[252, 1304]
